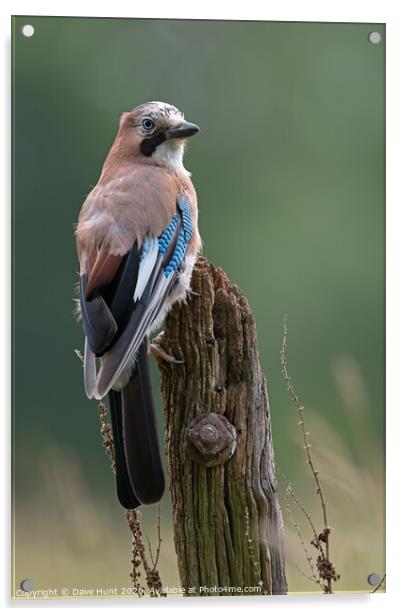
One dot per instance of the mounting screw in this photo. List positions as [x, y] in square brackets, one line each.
[26, 585]
[28, 30]
[374, 38]
[210, 439]
[374, 579]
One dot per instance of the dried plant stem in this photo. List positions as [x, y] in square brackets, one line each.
[314, 577]
[328, 572]
[291, 493]
[136, 551]
[308, 577]
[155, 562]
[305, 434]
[158, 549]
[139, 557]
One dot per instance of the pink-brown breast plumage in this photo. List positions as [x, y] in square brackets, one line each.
[138, 201]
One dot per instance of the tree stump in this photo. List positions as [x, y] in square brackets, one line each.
[228, 527]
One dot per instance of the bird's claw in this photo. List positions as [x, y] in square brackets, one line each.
[156, 351]
[195, 293]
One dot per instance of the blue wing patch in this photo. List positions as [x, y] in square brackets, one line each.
[167, 235]
[184, 237]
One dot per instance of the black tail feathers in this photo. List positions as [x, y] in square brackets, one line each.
[139, 472]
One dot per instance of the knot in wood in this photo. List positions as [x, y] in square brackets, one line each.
[211, 439]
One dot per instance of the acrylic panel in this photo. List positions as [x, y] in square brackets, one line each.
[286, 304]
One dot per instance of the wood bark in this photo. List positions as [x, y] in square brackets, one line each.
[228, 527]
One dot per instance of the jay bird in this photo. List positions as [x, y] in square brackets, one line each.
[137, 241]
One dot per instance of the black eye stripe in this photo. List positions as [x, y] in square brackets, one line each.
[149, 145]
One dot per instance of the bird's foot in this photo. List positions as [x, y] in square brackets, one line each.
[158, 352]
[195, 293]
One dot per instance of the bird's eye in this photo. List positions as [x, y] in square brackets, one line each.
[148, 124]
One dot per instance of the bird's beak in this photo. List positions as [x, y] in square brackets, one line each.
[185, 129]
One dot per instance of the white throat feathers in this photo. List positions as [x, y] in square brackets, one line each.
[170, 154]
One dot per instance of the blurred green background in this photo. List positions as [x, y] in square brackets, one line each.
[289, 170]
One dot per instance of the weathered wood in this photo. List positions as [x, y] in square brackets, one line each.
[228, 527]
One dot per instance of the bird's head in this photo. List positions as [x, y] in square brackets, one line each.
[158, 131]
